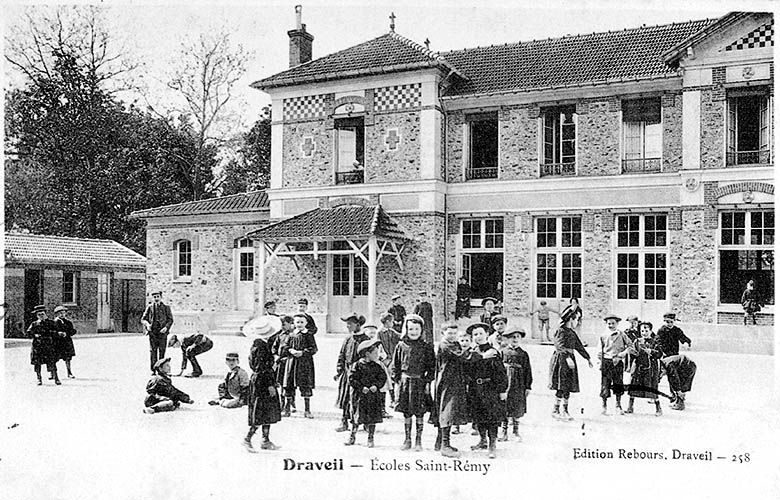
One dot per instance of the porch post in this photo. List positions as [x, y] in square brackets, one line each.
[372, 264]
[260, 284]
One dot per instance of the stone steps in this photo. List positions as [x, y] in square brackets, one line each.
[230, 322]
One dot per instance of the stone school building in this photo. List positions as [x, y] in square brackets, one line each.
[631, 169]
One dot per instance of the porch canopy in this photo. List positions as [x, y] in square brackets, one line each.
[366, 232]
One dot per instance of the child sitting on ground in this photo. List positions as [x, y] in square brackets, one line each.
[233, 391]
[161, 394]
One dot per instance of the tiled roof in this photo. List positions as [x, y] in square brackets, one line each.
[570, 61]
[672, 55]
[327, 224]
[386, 54]
[25, 248]
[242, 202]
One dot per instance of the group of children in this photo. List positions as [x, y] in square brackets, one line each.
[51, 342]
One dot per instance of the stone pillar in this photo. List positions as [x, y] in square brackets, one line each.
[372, 264]
[691, 129]
[260, 283]
[430, 132]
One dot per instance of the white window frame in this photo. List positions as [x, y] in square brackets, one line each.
[559, 250]
[540, 143]
[731, 308]
[177, 253]
[769, 101]
[482, 225]
[76, 288]
[467, 142]
[642, 249]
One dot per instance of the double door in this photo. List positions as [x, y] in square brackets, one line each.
[348, 290]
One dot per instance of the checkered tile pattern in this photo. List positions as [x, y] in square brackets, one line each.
[763, 36]
[305, 107]
[397, 97]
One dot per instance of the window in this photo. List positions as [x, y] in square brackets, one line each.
[482, 233]
[642, 258]
[749, 128]
[183, 250]
[350, 147]
[747, 253]
[350, 273]
[559, 141]
[70, 287]
[482, 146]
[642, 135]
[559, 258]
[246, 267]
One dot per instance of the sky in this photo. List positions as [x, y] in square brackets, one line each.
[153, 31]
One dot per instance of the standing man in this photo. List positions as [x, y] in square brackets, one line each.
[311, 326]
[398, 312]
[462, 299]
[64, 342]
[43, 332]
[424, 309]
[157, 320]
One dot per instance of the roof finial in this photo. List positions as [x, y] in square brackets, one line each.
[392, 22]
[427, 44]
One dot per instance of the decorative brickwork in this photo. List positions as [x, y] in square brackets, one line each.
[397, 97]
[605, 221]
[305, 171]
[719, 75]
[738, 187]
[401, 163]
[308, 107]
[674, 219]
[736, 318]
[588, 221]
[526, 223]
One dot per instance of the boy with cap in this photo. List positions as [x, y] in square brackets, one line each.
[498, 325]
[264, 408]
[366, 378]
[389, 338]
[398, 312]
[424, 309]
[43, 352]
[486, 391]
[489, 303]
[311, 326]
[270, 308]
[670, 336]
[614, 345]
[191, 347]
[519, 379]
[234, 390]
[157, 321]
[64, 342]
[298, 348]
[347, 356]
[161, 395]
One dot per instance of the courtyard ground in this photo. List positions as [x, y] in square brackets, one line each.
[89, 438]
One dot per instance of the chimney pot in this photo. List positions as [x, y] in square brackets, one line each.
[300, 41]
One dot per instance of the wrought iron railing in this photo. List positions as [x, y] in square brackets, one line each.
[760, 156]
[557, 169]
[354, 177]
[641, 165]
[474, 173]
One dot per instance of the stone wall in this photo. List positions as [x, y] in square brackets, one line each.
[384, 164]
[518, 142]
[598, 137]
[305, 171]
[285, 284]
[14, 306]
[692, 269]
[713, 109]
[671, 109]
[211, 285]
[454, 147]
[596, 266]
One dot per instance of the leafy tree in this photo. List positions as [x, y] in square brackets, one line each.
[250, 168]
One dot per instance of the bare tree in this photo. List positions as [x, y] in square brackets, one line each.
[204, 75]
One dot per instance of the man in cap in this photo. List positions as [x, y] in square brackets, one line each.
[311, 326]
[424, 309]
[614, 346]
[191, 347]
[63, 341]
[398, 312]
[161, 395]
[43, 352]
[233, 392]
[670, 336]
[348, 355]
[157, 320]
[462, 299]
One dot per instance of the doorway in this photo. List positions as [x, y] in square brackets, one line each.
[104, 302]
[347, 290]
[483, 272]
[244, 272]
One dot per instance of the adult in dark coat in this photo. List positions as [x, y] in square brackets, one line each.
[64, 342]
[43, 332]
[670, 337]
[366, 378]
[157, 320]
[399, 313]
[298, 348]
[519, 380]
[264, 408]
[563, 367]
[462, 299]
[487, 385]
[161, 395]
[751, 302]
[450, 402]
[646, 371]
[424, 309]
[347, 356]
[191, 347]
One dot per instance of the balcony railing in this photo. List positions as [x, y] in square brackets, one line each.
[747, 157]
[641, 165]
[557, 169]
[353, 177]
[474, 173]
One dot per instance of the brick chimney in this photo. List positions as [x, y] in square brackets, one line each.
[300, 41]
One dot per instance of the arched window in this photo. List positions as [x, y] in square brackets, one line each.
[183, 253]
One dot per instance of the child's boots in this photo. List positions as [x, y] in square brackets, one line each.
[504, 431]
